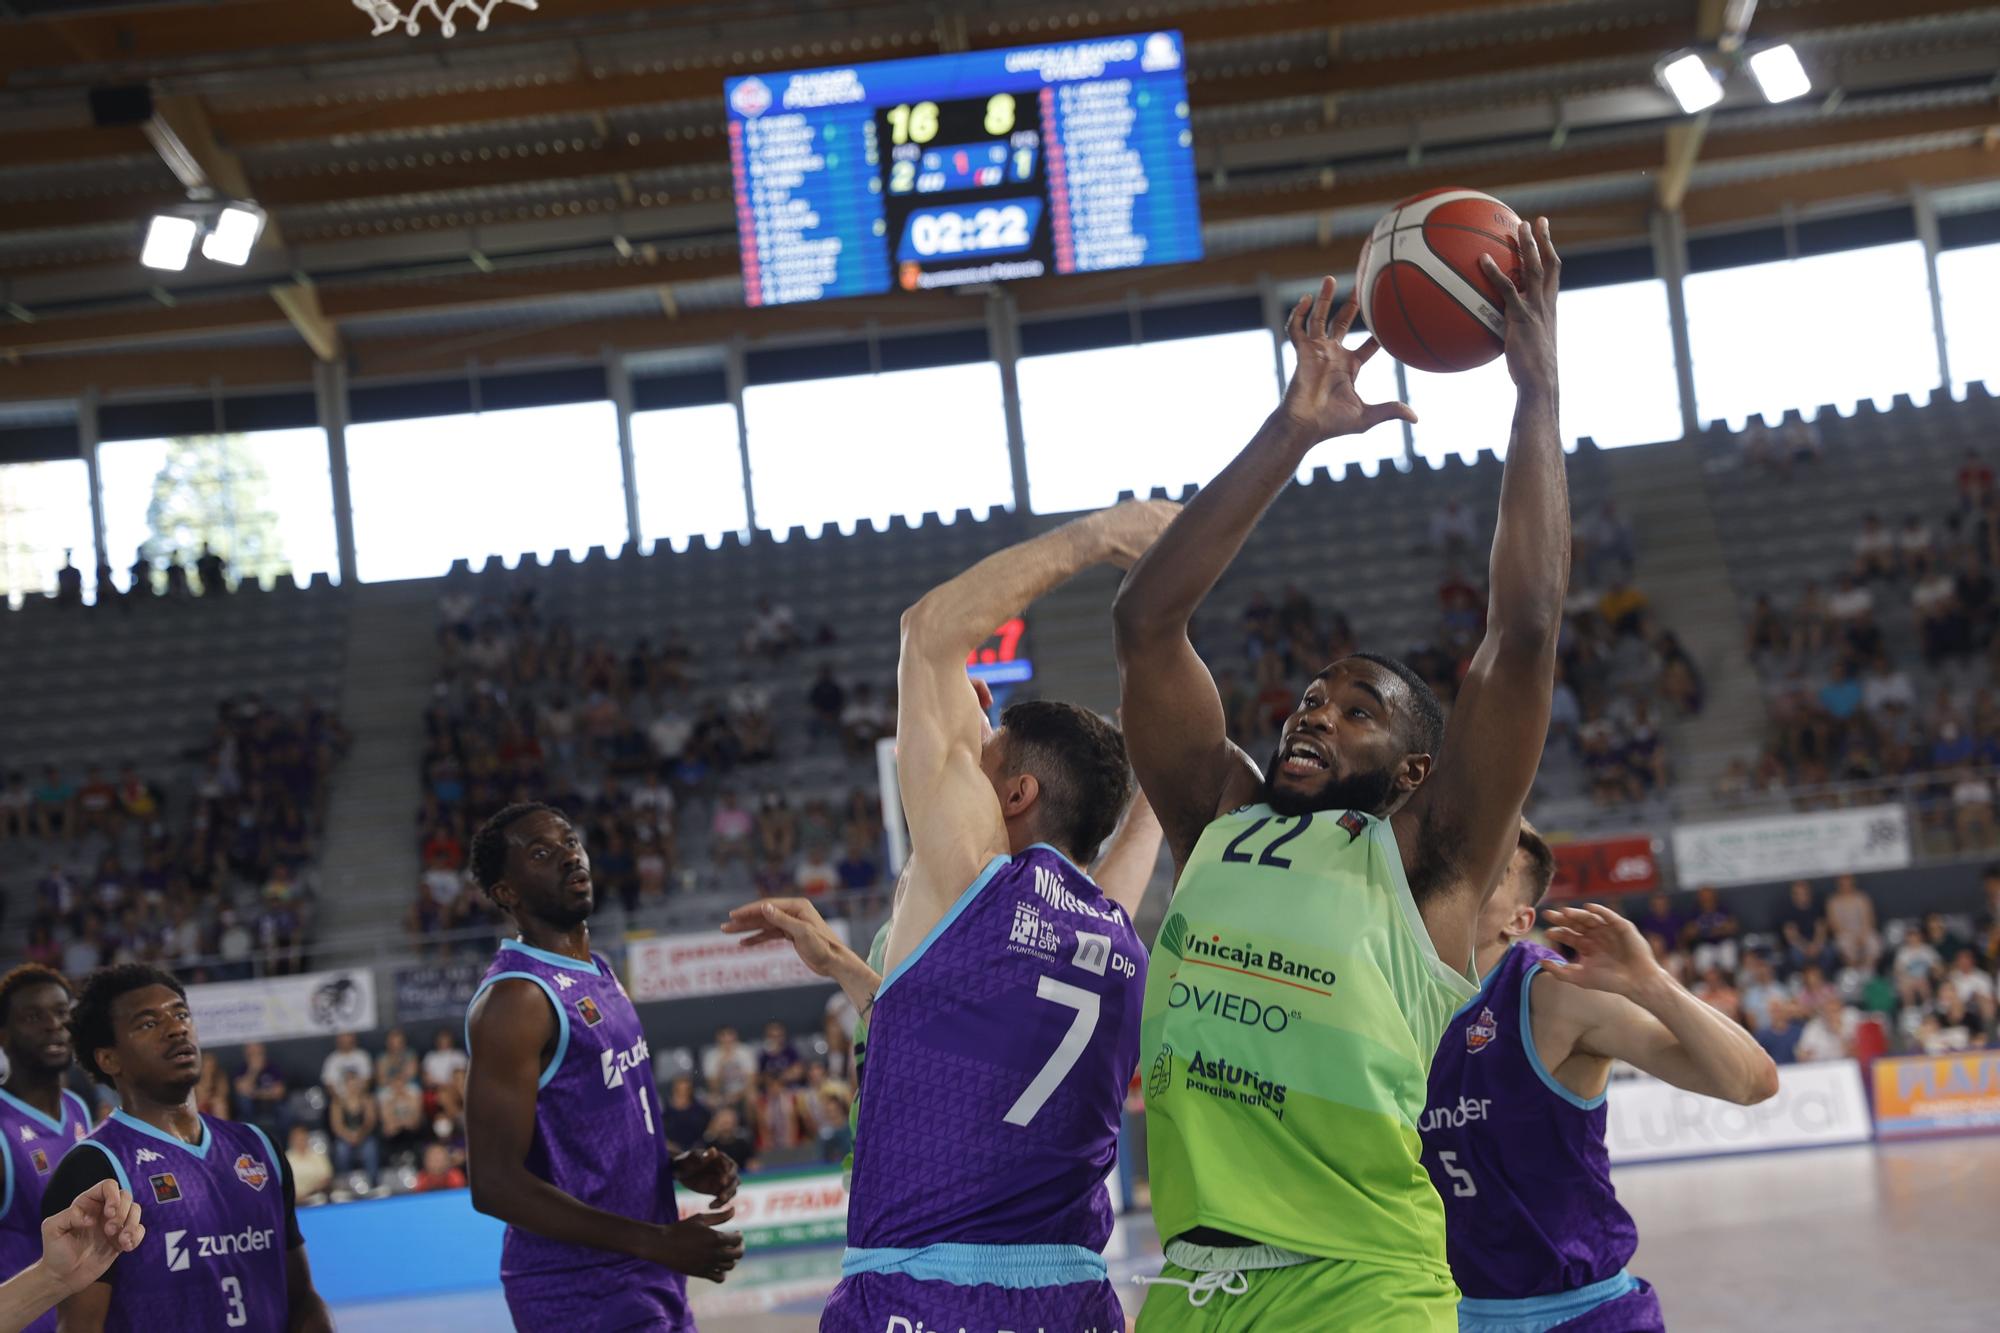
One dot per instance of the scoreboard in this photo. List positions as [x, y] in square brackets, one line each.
[946, 170]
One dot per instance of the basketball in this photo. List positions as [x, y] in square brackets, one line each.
[1422, 293]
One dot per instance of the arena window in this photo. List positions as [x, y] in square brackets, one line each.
[836, 451]
[431, 489]
[689, 472]
[264, 501]
[1967, 280]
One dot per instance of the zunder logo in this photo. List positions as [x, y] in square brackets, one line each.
[177, 1258]
[615, 1064]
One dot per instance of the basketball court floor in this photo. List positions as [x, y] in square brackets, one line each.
[1831, 1240]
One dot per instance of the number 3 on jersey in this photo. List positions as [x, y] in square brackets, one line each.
[1067, 1052]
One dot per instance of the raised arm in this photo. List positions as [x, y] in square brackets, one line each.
[1616, 1003]
[1175, 730]
[511, 1027]
[1457, 832]
[1126, 867]
[956, 825]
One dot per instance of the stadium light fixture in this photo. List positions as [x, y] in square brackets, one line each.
[234, 234]
[1687, 76]
[1779, 74]
[169, 239]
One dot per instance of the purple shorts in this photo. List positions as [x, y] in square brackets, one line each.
[604, 1298]
[898, 1303]
[1634, 1312]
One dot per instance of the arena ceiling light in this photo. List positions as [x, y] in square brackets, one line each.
[169, 240]
[1779, 74]
[234, 234]
[1687, 76]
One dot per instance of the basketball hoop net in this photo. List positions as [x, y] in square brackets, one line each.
[388, 17]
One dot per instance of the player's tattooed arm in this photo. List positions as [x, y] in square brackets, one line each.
[1175, 729]
[512, 1029]
[1457, 832]
[1615, 1002]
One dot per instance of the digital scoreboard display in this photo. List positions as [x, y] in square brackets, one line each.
[946, 170]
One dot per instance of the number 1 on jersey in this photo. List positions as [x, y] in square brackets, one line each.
[1067, 1052]
[646, 1108]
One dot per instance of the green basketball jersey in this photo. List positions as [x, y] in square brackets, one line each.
[878, 951]
[1293, 1007]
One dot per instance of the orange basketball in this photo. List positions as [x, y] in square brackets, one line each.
[1422, 293]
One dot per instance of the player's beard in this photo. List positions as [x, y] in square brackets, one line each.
[1366, 792]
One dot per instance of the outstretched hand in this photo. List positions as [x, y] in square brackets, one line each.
[1611, 954]
[1321, 400]
[82, 1240]
[1531, 306]
[790, 919]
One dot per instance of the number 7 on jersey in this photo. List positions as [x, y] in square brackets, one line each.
[1067, 1052]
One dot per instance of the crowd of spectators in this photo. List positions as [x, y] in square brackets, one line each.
[1621, 680]
[214, 881]
[1844, 706]
[772, 1104]
[147, 578]
[370, 1122]
[671, 764]
[1833, 980]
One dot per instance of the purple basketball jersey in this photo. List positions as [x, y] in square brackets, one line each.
[999, 1053]
[214, 1253]
[597, 1140]
[34, 1144]
[1518, 1159]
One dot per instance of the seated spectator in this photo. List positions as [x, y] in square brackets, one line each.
[836, 1136]
[1850, 914]
[1779, 1035]
[1453, 529]
[1972, 809]
[399, 1095]
[651, 865]
[1850, 603]
[773, 631]
[1974, 481]
[346, 1060]
[826, 699]
[1767, 633]
[1914, 542]
[1645, 752]
[437, 1171]
[816, 875]
[777, 1057]
[729, 831]
[444, 1077]
[260, 1091]
[726, 1132]
[1976, 593]
[1712, 935]
[1607, 542]
[1940, 620]
[312, 1173]
[1812, 622]
[1659, 923]
[136, 800]
[1622, 606]
[1887, 692]
[1874, 549]
[727, 1068]
[683, 1118]
[53, 796]
[1829, 1034]
[865, 720]
[1802, 924]
[777, 828]
[1761, 988]
[858, 868]
[1918, 969]
[1841, 697]
[353, 1121]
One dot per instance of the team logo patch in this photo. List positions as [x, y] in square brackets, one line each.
[1480, 1034]
[1354, 822]
[251, 1172]
[1162, 1076]
[165, 1188]
[592, 1015]
[41, 1160]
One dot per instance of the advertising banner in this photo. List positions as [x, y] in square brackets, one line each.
[785, 1207]
[673, 967]
[437, 991]
[229, 1013]
[1817, 1105]
[1826, 842]
[1604, 867]
[1937, 1094]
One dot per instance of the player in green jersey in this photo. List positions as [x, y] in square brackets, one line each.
[1321, 933]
